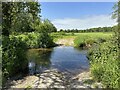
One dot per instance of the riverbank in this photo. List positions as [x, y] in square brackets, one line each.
[65, 41]
[53, 78]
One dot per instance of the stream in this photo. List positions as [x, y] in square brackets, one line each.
[58, 67]
[63, 58]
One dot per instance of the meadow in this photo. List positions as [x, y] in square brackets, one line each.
[83, 38]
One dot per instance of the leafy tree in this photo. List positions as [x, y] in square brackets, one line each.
[18, 16]
[61, 30]
[45, 39]
[50, 26]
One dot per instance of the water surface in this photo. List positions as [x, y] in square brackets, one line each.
[63, 58]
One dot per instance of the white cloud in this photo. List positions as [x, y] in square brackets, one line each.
[84, 23]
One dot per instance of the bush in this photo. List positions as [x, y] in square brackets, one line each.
[94, 70]
[36, 40]
[0, 58]
[45, 41]
[101, 40]
[90, 41]
[14, 56]
[84, 41]
[105, 64]
[32, 40]
[79, 41]
[62, 33]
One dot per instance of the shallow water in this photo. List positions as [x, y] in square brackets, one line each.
[63, 58]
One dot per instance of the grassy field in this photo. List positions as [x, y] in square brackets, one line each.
[82, 38]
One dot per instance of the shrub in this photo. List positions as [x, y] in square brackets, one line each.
[45, 41]
[36, 40]
[101, 40]
[90, 41]
[14, 56]
[105, 64]
[62, 33]
[94, 70]
[0, 58]
[84, 41]
[79, 41]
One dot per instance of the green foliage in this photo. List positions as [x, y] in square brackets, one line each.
[44, 29]
[80, 41]
[88, 39]
[62, 33]
[50, 27]
[0, 66]
[36, 40]
[22, 23]
[56, 36]
[19, 16]
[105, 57]
[31, 39]
[13, 56]
[105, 64]
[72, 34]
[45, 41]
[98, 29]
[45, 26]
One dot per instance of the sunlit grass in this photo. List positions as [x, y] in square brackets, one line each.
[81, 37]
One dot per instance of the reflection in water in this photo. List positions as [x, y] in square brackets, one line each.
[38, 60]
[62, 57]
[69, 58]
[31, 67]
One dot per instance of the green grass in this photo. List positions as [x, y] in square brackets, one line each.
[81, 38]
[60, 35]
[90, 38]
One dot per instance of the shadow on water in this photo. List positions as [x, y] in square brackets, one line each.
[63, 58]
[39, 60]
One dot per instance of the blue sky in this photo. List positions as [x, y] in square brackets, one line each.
[80, 15]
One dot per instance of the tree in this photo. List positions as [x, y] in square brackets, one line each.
[45, 40]
[61, 30]
[19, 16]
[51, 28]
[16, 17]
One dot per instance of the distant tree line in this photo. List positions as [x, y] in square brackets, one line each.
[99, 29]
